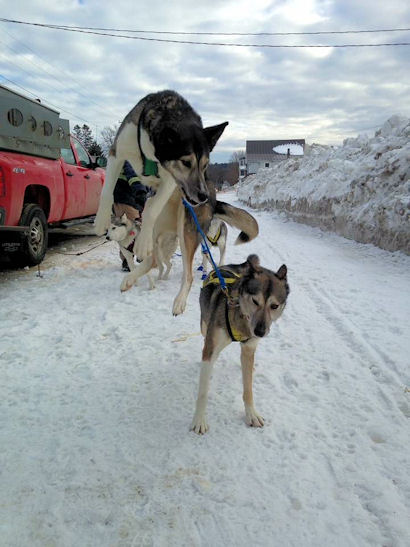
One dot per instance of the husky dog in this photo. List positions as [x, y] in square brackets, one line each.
[256, 296]
[164, 140]
[216, 235]
[175, 219]
[125, 233]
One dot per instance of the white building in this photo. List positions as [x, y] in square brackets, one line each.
[261, 154]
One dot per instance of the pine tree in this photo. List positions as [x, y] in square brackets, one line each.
[77, 132]
[95, 149]
[87, 138]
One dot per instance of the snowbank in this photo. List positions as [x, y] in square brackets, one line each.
[359, 190]
[98, 389]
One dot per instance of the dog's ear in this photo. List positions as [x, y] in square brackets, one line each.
[252, 286]
[282, 272]
[253, 261]
[213, 133]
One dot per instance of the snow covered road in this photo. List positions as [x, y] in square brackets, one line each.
[98, 390]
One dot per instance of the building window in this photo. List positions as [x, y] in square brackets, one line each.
[266, 164]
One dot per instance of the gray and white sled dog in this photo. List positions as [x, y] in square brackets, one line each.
[216, 236]
[176, 221]
[164, 140]
[125, 232]
[256, 297]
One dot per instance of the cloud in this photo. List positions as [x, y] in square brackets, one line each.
[322, 95]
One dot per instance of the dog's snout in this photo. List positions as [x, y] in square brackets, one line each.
[108, 237]
[260, 329]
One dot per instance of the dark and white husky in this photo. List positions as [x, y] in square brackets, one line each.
[164, 140]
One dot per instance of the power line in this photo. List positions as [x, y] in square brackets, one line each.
[33, 75]
[140, 31]
[191, 42]
[64, 84]
[75, 116]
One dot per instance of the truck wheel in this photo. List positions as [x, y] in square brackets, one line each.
[34, 245]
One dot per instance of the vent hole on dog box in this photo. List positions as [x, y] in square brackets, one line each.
[15, 117]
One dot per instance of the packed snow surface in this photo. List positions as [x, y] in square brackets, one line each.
[98, 391]
[360, 190]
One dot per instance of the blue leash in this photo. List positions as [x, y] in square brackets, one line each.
[205, 244]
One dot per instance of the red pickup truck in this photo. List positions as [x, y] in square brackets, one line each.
[46, 176]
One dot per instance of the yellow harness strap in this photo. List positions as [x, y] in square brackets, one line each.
[214, 240]
[130, 180]
[229, 276]
[235, 334]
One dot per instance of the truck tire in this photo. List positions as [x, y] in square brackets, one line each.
[34, 245]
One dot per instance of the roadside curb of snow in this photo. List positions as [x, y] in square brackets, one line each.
[322, 215]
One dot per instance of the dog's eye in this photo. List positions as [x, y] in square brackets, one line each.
[274, 307]
[186, 163]
[255, 302]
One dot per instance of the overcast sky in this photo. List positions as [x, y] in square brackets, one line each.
[320, 94]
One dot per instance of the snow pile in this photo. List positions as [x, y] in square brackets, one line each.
[98, 390]
[359, 190]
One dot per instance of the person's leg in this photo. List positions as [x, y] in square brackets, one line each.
[132, 213]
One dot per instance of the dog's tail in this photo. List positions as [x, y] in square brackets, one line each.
[238, 218]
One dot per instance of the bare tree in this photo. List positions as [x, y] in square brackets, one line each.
[107, 138]
[236, 156]
[217, 173]
[232, 175]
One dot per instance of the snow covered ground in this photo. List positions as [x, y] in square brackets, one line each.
[360, 190]
[98, 390]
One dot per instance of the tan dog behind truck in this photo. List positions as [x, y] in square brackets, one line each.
[175, 219]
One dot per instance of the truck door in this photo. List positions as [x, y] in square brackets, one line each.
[92, 178]
[75, 187]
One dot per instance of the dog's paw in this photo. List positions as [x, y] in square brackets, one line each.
[128, 281]
[143, 246]
[179, 305]
[199, 425]
[253, 419]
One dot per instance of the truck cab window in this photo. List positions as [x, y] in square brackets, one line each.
[82, 154]
[68, 155]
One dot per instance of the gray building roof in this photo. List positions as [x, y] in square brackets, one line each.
[265, 147]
